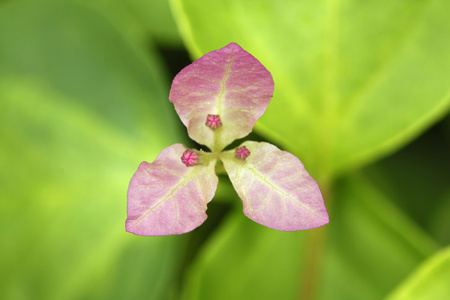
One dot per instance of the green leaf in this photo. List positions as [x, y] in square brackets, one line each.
[438, 220]
[372, 245]
[141, 20]
[156, 16]
[371, 248]
[353, 81]
[425, 198]
[79, 110]
[429, 281]
[97, 67]
[245, 260]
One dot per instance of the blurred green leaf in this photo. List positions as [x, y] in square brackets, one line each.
[416, 180]
[157, 18]
[245, 260]
[354, 80]
[95, 66]
[371, 247]
[438, 221]
[79, 110]
[141, 20]
[429, 281]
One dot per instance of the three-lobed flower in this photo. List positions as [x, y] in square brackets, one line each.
[219, 98]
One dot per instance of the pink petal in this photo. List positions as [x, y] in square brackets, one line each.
[228, 82]
[276, 190]
[166, 197]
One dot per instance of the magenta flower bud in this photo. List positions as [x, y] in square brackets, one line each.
[189, 158]
[213, 121]
[242, 153]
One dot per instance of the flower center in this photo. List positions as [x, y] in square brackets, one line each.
[189, 158]
[213, 121]
[241, 153]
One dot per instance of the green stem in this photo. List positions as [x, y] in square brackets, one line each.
[220, 169]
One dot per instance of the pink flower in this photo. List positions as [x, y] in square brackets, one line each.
[219, 98]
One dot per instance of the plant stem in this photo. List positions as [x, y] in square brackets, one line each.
[315, 246]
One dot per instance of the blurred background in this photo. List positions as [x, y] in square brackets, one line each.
[361, 97]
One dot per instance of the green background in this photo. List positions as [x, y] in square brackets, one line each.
[361, 97]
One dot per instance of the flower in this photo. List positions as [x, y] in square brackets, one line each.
[241, 153]
[213, 121]
[219, 98]
[189, 158]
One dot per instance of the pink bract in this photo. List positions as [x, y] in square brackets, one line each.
[228, 82]
[219, 98]
[276, 190]
[166, 197]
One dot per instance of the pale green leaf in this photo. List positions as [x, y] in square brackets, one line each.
[429, 282]
[353, 80]
[79, 110]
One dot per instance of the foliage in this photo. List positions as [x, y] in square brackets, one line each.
[83, 91]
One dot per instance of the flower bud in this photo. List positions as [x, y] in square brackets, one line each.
[241, 153]
[189, 158]
[213, 121]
